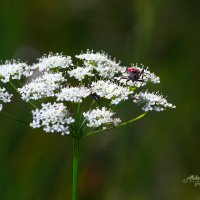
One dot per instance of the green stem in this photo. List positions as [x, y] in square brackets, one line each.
[120, 125]
[15, 88]
[130, 121]
[85, 119]
[77, 120]
[13, 117]
[76, 155]
[33, 105]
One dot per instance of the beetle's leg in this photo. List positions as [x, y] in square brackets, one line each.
[142, 81]
[142, 73]
[124, 77]
[128, 79]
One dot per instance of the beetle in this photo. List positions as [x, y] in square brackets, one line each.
[134, 74]
[94, 95]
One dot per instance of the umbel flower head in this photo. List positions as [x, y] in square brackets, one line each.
[82, 99]
[14, 69]
[5, 97]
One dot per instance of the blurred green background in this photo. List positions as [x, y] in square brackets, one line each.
[144, 161]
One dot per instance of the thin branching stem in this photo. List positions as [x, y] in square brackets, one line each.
[15, 88]
[85, 119]
[120, 125]
[14, 117]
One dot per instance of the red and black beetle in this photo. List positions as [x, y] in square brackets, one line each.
[134, 74]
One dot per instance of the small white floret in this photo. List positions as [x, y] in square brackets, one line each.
[14, 70]
[111, 91]
[98, 117]
[52, 61]
[73, 94]
[53, 118]
[5, 97]
[102, 63]
[44, 86]
[152, 101]
[80, 73]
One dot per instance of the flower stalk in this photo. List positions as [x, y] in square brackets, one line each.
[119, 125]
[14, 117]
[76, 157]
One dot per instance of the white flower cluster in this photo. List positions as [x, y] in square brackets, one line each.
[102, 63]
[110, 90]
[4, 97]
[148, 76]
[97, 76]
[80, 73]
[74, 94]
[91, 56]
[44, 86]
[53, 118]
[98, 117]
[52, 61]
[14, 70]
[152, 101]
